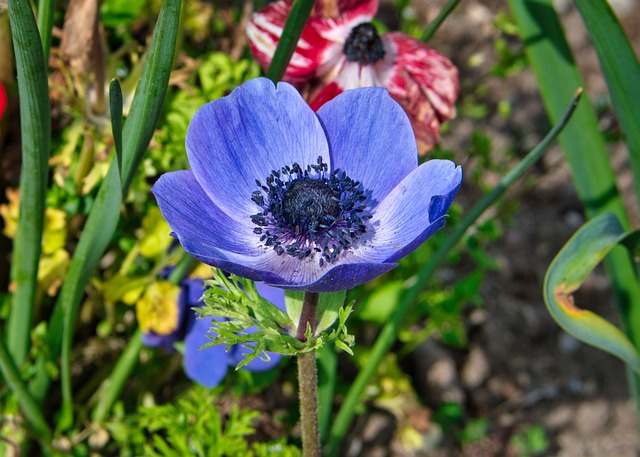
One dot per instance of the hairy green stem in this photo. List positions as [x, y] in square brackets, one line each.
[308, 386]
[296, 21]
[390, 330]
[308, 380]
[308, 315]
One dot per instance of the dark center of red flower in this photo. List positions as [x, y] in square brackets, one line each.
[308, 211]
[364, 45]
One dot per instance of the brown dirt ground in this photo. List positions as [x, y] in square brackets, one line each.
[521, 369]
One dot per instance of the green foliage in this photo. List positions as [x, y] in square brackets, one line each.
[192, 425]
[531, 441]
[511, 59]
[241, 307]
[114, 13]
[474, 430]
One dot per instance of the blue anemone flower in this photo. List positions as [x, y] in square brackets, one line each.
[208, 366]
[318, 202]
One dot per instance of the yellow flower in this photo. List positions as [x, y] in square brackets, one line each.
[157, 310]
[154, 239]
[9, 212]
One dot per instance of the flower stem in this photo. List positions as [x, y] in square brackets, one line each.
[308, 385]
[308, 380]
[308, 315]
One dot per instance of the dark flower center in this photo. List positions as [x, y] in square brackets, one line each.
[309, 201]
[364, 45]
[308, 211]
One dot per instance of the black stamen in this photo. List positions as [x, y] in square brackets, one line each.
[364, 45]
[309, 210]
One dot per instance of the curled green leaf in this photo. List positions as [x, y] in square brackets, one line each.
[582, 253]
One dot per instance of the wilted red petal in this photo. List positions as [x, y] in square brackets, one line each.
[425, 83]
[422, 80]
[327, 92]
[3, 100]
[320, 46]
[334, 8]
[264, 30]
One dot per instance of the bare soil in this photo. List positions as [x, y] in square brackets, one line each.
[521, 369]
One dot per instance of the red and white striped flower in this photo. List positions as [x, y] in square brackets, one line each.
[340, 49]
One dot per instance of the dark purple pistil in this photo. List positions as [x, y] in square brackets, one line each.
[308, 202]
[364, 45]
[308, 211]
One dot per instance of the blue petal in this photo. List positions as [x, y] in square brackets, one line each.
[343, 277]
[165, 342]
[273, 295]
[237, 353]
[370, 138]
[207, 367]
[237, 139]
[412, 212]
[206, 232]
[193, 289]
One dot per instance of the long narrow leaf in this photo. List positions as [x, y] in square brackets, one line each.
[296, 21]
[30, 408]
[45, 25]
[621, 71]
[579, 257]
[35, 122]
[551, 59]
[433, 26]
[115, 108]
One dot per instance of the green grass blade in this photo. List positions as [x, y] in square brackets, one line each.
[621, 71]
[147, 102]
[45, 25]
[584, 148]
[35, 123]
[573, 264]
[115, 107]
[104, 215]
[296, 21]
[433, 26]
[390, 330]
[112, 387]
[552, 62]
[30, 408]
